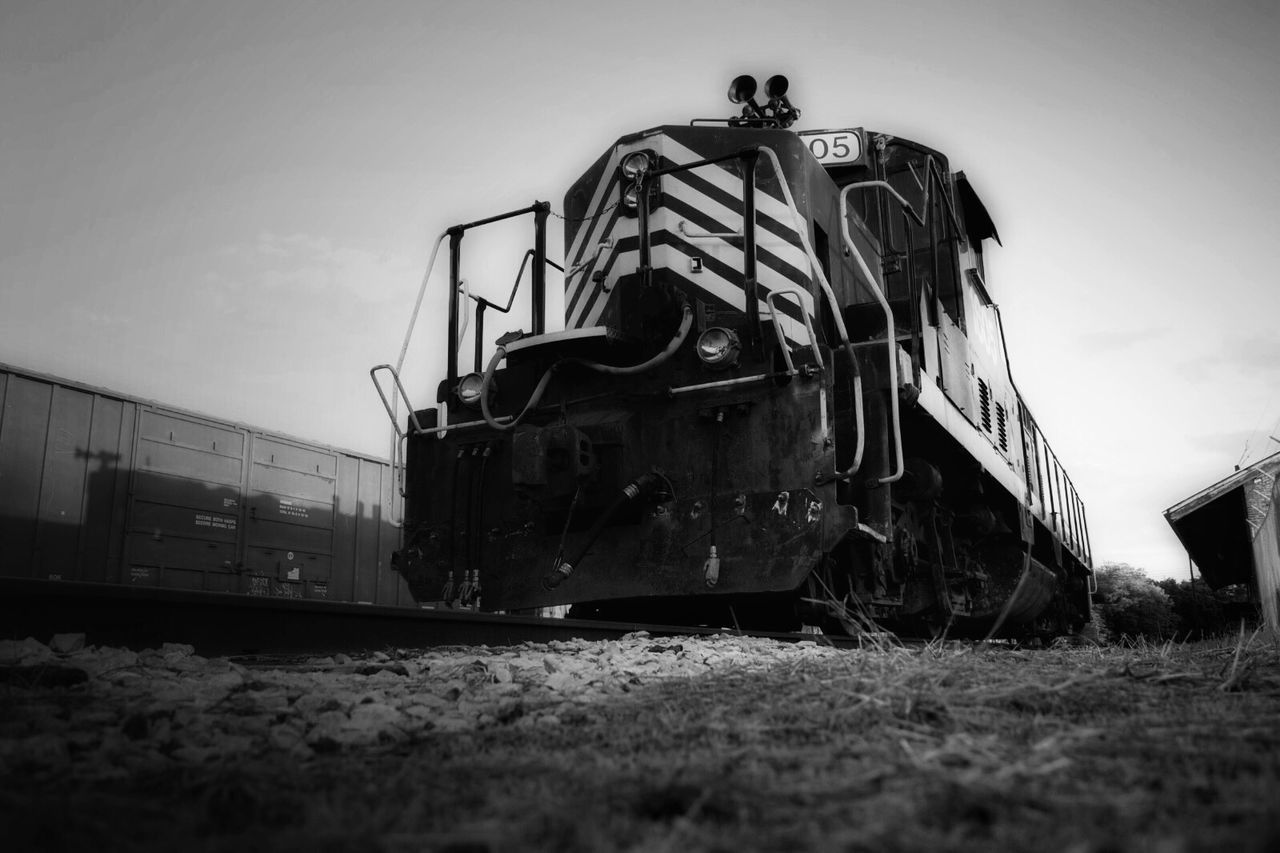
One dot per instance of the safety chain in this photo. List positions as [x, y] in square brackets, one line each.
[595, 215]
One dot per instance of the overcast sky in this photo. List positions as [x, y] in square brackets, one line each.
[228, 206]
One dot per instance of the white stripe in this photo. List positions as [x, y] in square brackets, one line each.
[788, 251]
[599, 259]
[730, 219]
[670, 257]
[597, 200]
[711, 284]
[623, 228]
[723, 180]
[677, 261]
[733, 256]
[625, 265]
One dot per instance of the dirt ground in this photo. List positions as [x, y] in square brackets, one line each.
[671, 745]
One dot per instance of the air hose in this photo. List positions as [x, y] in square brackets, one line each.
[645, 484]
[686, 323]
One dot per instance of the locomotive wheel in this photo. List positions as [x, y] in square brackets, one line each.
[820, 607]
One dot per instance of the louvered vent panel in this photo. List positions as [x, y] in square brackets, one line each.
[984, 404]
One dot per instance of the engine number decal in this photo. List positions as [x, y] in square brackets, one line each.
[832, 147]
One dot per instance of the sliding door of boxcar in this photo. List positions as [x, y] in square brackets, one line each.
[184, 517]
[289, 530]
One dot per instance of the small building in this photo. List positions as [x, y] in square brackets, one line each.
[1231, 530]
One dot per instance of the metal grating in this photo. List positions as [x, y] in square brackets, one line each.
[984, 404]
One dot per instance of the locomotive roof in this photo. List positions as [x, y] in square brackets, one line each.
[978, 221]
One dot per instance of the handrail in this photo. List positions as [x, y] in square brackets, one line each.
[706, 235]
[417, 305]
[465, 290]
[891, 340]
[606, 243]
[932, 172]
[482, 303]
[777, 327]
[397, 453]
[441, 430]
[395, 376]
[539, 209]
[836, 315]
[397, 437]
[721, 383]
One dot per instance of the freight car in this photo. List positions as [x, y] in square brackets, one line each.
[99, 487]
[780, 395]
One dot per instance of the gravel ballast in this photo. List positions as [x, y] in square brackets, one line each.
[691, 743]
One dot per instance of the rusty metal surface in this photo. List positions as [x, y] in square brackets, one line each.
[491, 507]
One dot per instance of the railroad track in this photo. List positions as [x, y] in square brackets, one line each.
[221, 624]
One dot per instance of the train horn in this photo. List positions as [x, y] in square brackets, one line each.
[742, 91]
[743, 88]
[775, 88]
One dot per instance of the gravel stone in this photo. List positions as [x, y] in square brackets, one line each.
[25, 652]
[66, 643]
[170, 706]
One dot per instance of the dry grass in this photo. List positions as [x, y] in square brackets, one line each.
[942, 747]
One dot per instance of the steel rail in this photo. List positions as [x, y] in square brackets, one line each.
[219, 624]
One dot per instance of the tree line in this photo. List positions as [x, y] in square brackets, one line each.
[1130, 605]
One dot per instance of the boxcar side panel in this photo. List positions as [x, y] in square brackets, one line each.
[107, 460]
[96, 486]
[184, 510]
[392, 588]
[63, 484]
[288, 536]
[23, 431]
[346, 521]
[368, 496]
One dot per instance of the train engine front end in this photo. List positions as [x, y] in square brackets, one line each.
[717, 432]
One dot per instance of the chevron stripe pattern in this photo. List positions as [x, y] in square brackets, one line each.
[698, 225]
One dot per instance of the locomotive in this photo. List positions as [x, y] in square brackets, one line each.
[780, 396]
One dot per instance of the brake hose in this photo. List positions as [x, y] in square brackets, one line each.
[645, 485]
[686, 323]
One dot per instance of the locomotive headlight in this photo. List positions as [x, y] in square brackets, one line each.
[632, 172]
[718, 347]
[636, 163]
[468, 389]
